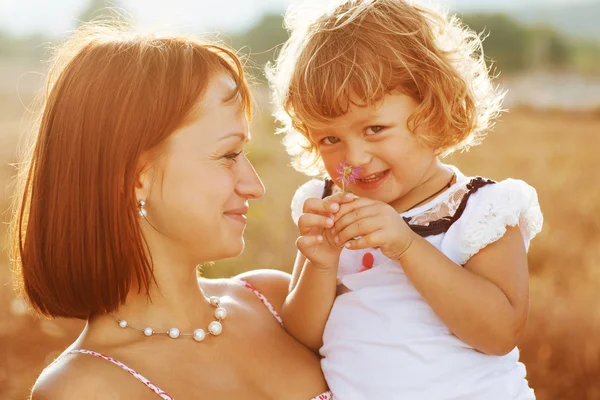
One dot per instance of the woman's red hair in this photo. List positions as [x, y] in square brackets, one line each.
[111, 97]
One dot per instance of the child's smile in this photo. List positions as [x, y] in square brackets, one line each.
[396, 166]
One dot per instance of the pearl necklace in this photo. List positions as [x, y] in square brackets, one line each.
[214, 328]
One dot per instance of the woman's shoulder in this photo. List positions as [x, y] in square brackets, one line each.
[73, 376]
[270, 283]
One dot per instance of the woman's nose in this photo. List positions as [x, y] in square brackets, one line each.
[249, 185]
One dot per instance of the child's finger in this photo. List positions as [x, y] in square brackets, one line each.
[362, 227]
[304, 243]
[313, 205]
[306, 222]
[349, 207]
[341, 198]
[364, 242]
[349, 215]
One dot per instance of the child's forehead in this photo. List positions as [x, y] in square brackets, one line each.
[355, 116]
[358, 111]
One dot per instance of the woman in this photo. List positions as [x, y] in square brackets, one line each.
[137, 174]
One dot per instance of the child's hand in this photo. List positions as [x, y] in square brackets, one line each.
[366, 223]
[316, 241]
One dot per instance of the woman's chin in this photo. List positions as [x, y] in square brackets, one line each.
[235, 247]
[227, 248]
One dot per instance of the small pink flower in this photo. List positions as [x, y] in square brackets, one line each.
[348, 174]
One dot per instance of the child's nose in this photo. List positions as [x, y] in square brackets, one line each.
[357, 155]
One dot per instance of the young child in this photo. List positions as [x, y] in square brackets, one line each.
[415, 286]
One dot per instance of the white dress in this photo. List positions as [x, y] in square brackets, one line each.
[382, 340]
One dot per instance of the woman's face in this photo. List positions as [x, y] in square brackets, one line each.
[199, 197]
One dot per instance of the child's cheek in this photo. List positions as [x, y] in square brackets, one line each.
[331, 163]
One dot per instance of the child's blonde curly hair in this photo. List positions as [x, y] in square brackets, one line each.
[365, 49]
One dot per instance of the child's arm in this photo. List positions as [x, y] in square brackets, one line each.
[306, 308]
[484, 304]
[313, 287]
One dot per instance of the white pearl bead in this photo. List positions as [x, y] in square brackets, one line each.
[123, 323]
[174, 333]
[199, 335]
[220, 313]
[215, 328]
[148, 331]
[215, 301]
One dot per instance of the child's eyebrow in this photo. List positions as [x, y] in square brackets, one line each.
[367, 118]
[318, 133]
[328, 130]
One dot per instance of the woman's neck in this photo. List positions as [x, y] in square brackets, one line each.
[175, 300]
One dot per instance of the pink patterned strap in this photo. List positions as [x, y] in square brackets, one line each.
[150, 385]
[264, 301]
[136, 375]
[162, 393]
[324, 396]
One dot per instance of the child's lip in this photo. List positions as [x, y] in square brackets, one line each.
[363, 176]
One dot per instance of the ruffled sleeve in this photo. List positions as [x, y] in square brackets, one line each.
[487, 215]
[312, 188]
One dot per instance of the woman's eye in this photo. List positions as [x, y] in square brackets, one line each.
[329, 140]
[233, 156]
[374, 129]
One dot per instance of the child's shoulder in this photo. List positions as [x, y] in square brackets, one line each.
[487, 209]
[312, 188]
[479, 189]
[511, 194]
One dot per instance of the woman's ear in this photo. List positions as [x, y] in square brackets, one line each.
[144, 178]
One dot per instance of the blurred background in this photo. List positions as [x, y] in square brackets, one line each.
[548, 55]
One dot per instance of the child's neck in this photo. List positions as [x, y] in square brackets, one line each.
[434, 182]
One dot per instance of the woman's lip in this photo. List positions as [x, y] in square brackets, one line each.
[237, 216]
[240, 210]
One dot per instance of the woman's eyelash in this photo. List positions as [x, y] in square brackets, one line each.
[233, 156]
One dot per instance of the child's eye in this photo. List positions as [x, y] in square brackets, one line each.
[374, 129]
[329, 140]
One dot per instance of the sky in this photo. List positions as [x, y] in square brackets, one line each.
[56, 17]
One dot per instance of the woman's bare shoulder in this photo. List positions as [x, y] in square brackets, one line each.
[78, 376]
[272, 284]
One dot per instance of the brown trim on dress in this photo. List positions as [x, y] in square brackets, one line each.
[443, 224]
[440, 225]
[328, 189]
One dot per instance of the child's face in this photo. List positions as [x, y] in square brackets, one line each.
[377, 139]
